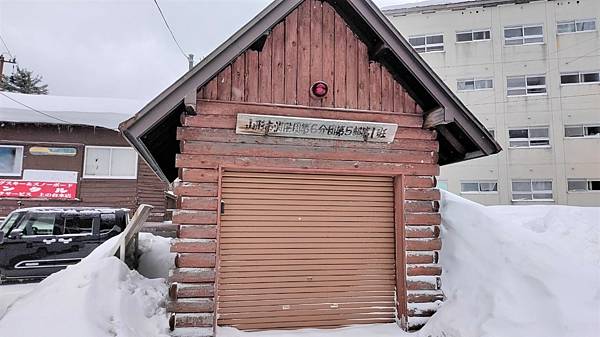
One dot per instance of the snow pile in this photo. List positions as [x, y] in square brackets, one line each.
[155, 261]
[518, 271]
[98, 297]
[365, 330]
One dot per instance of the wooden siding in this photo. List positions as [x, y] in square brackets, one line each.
[312, 44]
[128, 193]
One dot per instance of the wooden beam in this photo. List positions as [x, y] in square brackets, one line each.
[401, 284]
[434, 118]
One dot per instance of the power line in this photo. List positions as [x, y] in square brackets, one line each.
[170, 30]
[33, 109]
[6, 47]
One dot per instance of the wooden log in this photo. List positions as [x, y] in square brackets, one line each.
[191, 305]
[425, 297]
[301, 164]
[197, 232]
[421, 206]
[192, 275]
[423, 244]
[199, 175]
[325, 153]
[194, 217]
[196, 190]
[199, 203]
[422, 232]
[423, 218]
[415, 258]
[191, 321]
[422, 194]
[193, 246]
[420, 181]
[191, 290]
[195, 260]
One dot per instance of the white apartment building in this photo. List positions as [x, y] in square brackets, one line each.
[529, 70]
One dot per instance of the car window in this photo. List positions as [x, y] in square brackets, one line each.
[41, 224]
[79, 225]
[9, 222]
[107, 222]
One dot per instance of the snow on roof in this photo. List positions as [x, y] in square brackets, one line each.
[91, 111]
[425, 3]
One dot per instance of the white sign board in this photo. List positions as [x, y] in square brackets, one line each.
[299, 127]
[50, 175]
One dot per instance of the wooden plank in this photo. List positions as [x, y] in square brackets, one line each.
[236, 162]
[196, 190]
[304, 290]
[315, 180]
[284, 286]
[375, 86]
[278, 66]
[224, 84]
[243, 270]
[351, 69]
[420, 181]
[400, 249]
[398, 98]
[229, 136]
[251, 81]
[199, 203]
[308, 232]
[199, 175]
[340, 62]
[314, 305]
[364, 91]
[237, 277]
[193, 246]
[210, 89]
[329, 52]
[338, 293]
[328, 323]
[291, 57]
[238, 73]
[326, 153]
[194, 217]
[409, 103]
[197, 232]
[303, 86]
[294, 313]
[387, 90]
[316, 46]
[422, 194]
[265, 84]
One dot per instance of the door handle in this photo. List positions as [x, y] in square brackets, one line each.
[49, 241]
[65, 240]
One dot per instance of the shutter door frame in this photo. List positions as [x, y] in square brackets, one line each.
[352, 311]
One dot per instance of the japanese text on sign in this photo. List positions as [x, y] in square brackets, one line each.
[37, 189]
[298, 127]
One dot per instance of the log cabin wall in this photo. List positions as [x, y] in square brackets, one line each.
[312, 44]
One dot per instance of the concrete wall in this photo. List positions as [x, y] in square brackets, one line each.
[563, 105]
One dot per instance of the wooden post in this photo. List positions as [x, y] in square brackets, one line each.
[401, 295]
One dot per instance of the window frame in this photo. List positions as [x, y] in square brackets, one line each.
[523, 36]
[478, 182]
[532, 192]
[85, 158]
[474, 80]
[575, 22]
[583, 127]
[527, 87]
[587, 181]
[426, 45]
[580, 76]
[529, 138]
[472, 32]
[19, 172]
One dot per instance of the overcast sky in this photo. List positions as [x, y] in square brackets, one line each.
[118, 48]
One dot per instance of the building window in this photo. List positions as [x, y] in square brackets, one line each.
[529, 137]
[473, 35]
[575, 26]
[526, 85]
[583, 185]
[427, 43]
[478, 186]
[11, 160]
[518, 35]
[580, 77]
[582, 131]
[472, 84]
[110, 162]
[538, 190]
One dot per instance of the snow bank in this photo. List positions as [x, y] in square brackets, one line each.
[156, 259]
[518, 271]
[98, 297]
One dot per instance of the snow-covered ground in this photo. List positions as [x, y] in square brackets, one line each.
[509, 271]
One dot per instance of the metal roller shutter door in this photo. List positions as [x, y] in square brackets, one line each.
[306, 250]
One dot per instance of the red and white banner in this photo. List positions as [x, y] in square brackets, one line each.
[37, 189]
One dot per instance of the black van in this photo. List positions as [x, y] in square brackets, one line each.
[36, 242]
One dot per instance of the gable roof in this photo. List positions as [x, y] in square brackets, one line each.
[461, 135]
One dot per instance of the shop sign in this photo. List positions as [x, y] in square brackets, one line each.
[37, 189]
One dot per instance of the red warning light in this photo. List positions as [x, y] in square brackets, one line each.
[319, 89]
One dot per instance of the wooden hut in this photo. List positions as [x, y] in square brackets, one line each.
[307, 146]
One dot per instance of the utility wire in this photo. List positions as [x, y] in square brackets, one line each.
[6, 47]
[170, 30]
[33, 109]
